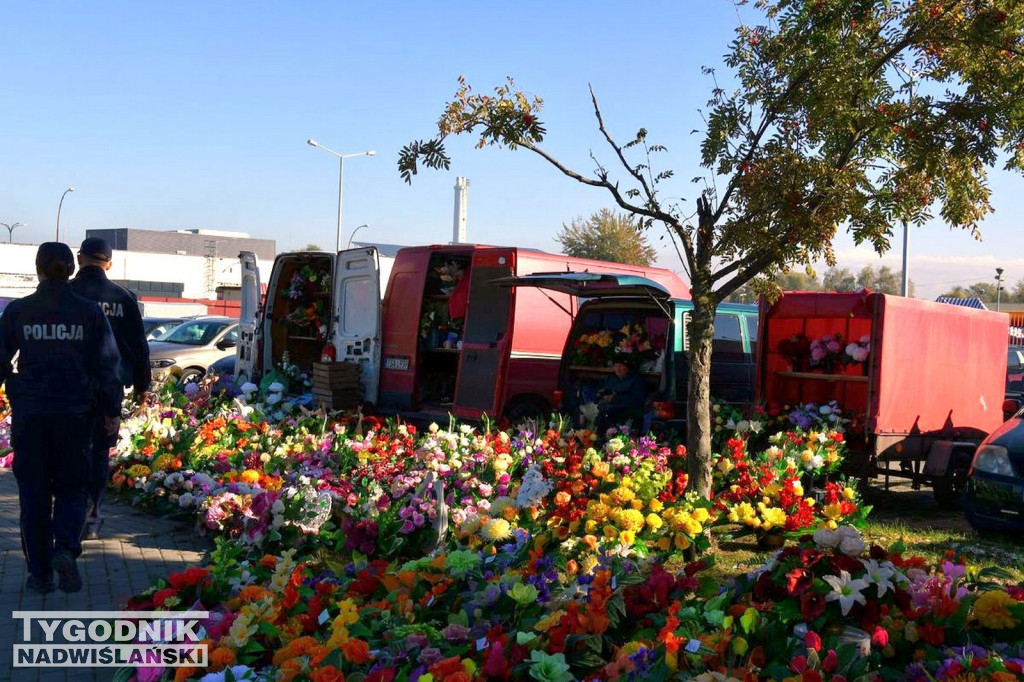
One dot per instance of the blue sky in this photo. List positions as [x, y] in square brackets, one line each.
[189, 114]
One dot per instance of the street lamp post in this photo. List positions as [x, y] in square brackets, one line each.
[69, 189]
[341, 179]
[353, 235]
[999, 286]
[11, 229]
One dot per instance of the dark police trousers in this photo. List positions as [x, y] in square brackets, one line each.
[51, 465]
[99, 471]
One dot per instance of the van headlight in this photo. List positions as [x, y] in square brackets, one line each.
[161, 364]
[993, 459]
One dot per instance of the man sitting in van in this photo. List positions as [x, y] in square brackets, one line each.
[623, 396]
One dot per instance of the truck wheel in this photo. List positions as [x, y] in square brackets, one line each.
[948, 490]
[524, 412]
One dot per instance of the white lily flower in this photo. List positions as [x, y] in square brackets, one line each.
[880, 575]
[846, 591]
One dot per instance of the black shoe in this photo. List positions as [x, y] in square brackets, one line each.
[68, 578]
[38, 585]
[91, 533]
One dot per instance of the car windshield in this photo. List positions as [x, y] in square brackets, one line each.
[195, 333]
[162, 331]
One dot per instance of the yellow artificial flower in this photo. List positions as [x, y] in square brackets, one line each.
[496, 529]
[630, 519]
[992, 610]
[654, 521]
[833, 511]
[656, 505]
[627, 537]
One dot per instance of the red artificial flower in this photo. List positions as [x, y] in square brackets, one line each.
[829, 663]
[811, 606]
[798, 581]
[880, 637]
[161, 596]
[446, 667]
[189, 578]
[932, 634]
[798, 664]
[812, 640]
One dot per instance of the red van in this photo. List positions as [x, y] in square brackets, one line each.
[445, 339]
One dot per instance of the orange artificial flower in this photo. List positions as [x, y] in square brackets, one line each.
[356, 651]
[221, 658]
[328, 673]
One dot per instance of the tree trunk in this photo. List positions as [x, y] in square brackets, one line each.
[698, 406]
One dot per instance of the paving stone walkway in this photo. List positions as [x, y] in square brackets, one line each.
[136, 549]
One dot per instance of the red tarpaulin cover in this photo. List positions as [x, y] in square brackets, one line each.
[932, 366]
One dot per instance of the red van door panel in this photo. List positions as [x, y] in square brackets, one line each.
[488, 333]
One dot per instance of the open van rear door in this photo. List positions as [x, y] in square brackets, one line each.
[249, 318]
[356, 315]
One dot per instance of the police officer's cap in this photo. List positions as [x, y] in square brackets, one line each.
[54, 252]
[97, 248]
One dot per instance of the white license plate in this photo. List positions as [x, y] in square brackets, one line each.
[398, 363]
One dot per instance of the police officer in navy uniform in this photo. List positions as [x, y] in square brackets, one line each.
[66, 372]
[122, 311]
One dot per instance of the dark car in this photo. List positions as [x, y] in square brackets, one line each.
[157, 327]
[225, 367]
[994, 495]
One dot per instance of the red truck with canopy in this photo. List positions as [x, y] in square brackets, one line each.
[931, 389]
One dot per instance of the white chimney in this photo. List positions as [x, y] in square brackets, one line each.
[461, 207]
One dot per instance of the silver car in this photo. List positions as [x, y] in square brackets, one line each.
[186, 352]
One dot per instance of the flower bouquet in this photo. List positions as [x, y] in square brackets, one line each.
[796, 349]
[593, 350]
[828, 353]
[307, 282]
[636, 347]
[857, 352]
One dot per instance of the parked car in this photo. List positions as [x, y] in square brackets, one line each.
[188, 351]
[156, 327]
[994, 495]
[225, 367]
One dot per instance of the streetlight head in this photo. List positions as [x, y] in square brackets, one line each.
[371, 153]
[312, 143]
[999, 271]
[71, 189]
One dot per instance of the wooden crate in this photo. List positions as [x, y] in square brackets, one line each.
[336, 385]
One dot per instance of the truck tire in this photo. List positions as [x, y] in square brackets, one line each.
[526, 410]
[948, 490]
